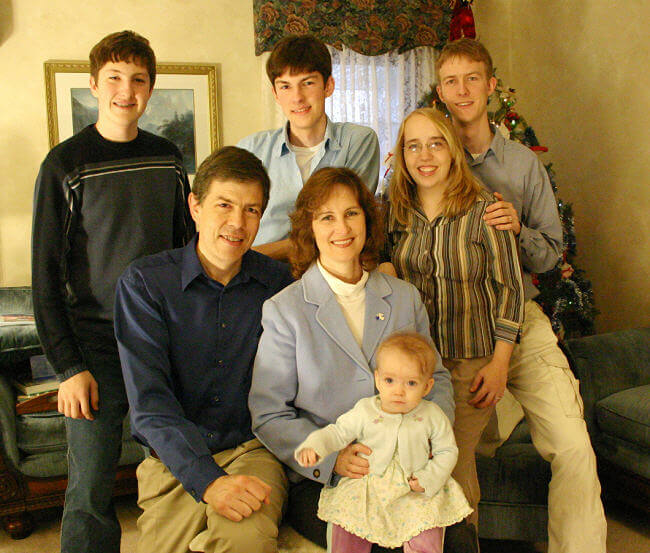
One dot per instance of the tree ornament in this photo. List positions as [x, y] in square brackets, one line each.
[462, 21]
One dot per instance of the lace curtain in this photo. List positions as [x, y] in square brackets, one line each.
[376, 91]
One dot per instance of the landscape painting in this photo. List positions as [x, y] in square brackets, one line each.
[183, 107]
[170, 113]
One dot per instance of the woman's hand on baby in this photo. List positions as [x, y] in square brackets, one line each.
[308, 457]
[415, 485]
[349, 463]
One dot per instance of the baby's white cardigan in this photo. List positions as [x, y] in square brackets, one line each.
[383, 432]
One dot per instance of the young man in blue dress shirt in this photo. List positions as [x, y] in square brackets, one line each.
[539, 376]
[187, 323]
[300, 71]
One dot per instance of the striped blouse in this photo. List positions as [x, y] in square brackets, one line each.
[468, 274]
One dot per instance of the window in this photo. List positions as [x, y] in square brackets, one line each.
[378, 91]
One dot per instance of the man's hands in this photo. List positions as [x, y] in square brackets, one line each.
[350, 464]
[308, 457]
[77, 395]
[502, 215]
[237, 496]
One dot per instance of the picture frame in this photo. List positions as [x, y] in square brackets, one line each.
[183, 106]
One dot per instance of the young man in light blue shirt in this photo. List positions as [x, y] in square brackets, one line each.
[300, 71]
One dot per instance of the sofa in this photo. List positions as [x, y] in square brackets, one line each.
[614, 370]
[33, 466]
[514, 487]
[614, 373]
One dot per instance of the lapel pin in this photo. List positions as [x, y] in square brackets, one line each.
[379, 316]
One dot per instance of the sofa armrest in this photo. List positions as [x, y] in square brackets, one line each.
[16, 299]
[608, 363]
[18, 342]
[8, 423]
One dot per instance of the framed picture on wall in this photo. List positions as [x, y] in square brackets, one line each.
[182, 108]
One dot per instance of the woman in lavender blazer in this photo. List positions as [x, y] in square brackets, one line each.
[316, 356]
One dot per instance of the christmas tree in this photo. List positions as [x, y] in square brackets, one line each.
[565, 294]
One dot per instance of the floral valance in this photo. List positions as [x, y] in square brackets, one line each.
[370, 27]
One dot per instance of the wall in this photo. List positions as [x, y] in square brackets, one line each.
[582, 81]
[580, 71]
[214, 31]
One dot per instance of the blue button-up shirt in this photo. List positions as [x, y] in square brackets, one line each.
[187, 345]
[345, 145]
[515, 171]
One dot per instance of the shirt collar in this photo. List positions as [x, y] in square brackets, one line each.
[330, 140]
[252, 266]
[316, 290]
[191, 267]
[496, 147]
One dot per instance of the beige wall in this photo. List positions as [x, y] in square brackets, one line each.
[581, 74]
[32, 31]
[580, 70]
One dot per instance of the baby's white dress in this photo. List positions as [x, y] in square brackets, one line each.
[382, 508]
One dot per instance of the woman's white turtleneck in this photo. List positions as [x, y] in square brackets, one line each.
[351, 298]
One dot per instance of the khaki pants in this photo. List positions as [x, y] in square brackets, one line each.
[540, 379]
[173, 522]
[468, 427]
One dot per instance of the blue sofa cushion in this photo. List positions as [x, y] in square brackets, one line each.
[626, 415]
[18, 342]
[516, 474]
[623, 454]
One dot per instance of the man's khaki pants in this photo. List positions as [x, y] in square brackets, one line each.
[173, 522]
[540, 379]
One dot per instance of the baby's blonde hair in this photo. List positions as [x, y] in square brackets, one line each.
[413, 344]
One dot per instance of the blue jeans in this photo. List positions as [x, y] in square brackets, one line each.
[89, 521]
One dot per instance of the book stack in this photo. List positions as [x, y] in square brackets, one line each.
[40, 380]
[14, 320]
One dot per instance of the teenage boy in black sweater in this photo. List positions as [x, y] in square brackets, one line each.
[110, 194]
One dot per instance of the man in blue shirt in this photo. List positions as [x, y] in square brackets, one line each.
[187, 322]
[300, 71]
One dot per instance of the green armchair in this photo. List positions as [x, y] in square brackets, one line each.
[614, 373]
[33, 465]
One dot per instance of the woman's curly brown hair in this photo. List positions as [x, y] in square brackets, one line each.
[315, 192]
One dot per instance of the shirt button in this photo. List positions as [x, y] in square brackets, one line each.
[215, 399]
[220, 362]
[316, 473]
[210, 435]
[223, 325]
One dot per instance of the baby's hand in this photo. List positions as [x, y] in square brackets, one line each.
[415, 485]
[307, 457]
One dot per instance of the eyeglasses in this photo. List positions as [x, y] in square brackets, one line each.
[416, 147]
